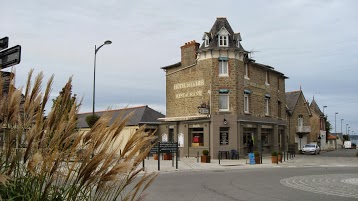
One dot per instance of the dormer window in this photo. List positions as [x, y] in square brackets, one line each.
[223, 38]
[206, 41]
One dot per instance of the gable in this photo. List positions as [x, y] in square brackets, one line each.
[223, 32]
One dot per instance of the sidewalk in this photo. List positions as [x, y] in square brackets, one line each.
[194, 164]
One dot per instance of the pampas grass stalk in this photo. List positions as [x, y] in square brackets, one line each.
[60, 162]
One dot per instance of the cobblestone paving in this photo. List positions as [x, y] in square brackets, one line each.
[345, 185]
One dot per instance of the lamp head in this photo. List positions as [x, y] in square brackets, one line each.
[108, 42]
[225, 122]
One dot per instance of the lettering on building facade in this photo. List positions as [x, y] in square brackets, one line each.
[191, 84]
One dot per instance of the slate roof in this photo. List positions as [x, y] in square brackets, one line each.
[213, 39]
[291, 99]
[141, 115]
[314, 106]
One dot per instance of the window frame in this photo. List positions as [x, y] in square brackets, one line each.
[206, 41]
[223, 65]
[300, 120]
[246, 71]
[223, 40]
[267, 78]
[267, 106]
[227, 102]
[246, 103]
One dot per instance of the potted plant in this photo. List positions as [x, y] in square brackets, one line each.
[205, 158]
[257, 157]
[274, 157]
[279, 156]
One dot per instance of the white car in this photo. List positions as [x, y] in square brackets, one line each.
[311, 149]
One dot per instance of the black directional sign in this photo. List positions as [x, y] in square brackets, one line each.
[10, 57]
[4, 43]
[165, 147]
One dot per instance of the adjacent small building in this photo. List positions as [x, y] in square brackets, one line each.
[141, 115]
[218, 99]
[318, 126]
[299, 115]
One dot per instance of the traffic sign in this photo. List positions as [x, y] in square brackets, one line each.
[10, 57]
[4, 43]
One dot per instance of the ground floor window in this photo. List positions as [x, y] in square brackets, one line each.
[265, 136]
[248, 135]
[224, 136]
[197, 137]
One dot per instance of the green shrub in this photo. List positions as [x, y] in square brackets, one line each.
[256, 154]
[205, 152]
[91, 119]
[50, 167]
[274, 153]
[279, 153]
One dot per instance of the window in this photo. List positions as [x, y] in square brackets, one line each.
[223, 68]
[278, 83]
[207, 42]
[265, 136]
[224, 136]
[223, 102]
[246, 103]
[223, 40]
[246, 70]
[279, 109]
[300, 120]
[267, 110]
[197, 137]
[267, 81]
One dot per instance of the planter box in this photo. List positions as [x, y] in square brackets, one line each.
[257, 160]
[205, 159]
[274, 159]
[167, 156]
[155, 156]
[280, 158]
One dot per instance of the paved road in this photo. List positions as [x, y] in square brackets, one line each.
[307, 177]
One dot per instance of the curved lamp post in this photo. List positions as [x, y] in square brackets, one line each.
[107, 42]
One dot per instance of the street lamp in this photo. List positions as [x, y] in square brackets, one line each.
[335, 122]
[347, 129]
[341, 125]
[107, 42]
[323, 109]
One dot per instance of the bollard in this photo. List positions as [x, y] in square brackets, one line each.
[284, 156]
[219, 157]
[143, 165]
[197, 157]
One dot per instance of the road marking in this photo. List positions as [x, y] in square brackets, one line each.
[344, 185]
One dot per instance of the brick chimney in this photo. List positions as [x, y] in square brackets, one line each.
[188, 53]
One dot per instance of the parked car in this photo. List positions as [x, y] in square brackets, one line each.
[347, 145]
[310, 148]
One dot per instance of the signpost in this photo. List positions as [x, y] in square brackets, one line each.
[10, 57]
[4, 43]
[165, 147]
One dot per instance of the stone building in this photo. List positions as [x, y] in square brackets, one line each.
[318, 126]
[299, 115]
[218, 99]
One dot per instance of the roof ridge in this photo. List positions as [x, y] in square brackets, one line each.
[127, 108]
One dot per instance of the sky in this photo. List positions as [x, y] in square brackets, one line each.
[314, 43]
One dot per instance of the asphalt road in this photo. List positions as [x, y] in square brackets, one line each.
[289, 183]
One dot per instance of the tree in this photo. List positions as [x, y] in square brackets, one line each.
[91, 119]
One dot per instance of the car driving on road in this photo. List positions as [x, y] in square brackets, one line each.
[310, 148]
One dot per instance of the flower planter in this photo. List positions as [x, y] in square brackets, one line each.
[205, 159]
[274, 159]
[155, 156]
[279, 158]
[167, 156]
[257, 160]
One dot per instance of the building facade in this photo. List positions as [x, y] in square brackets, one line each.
[299, 115]
[318, 126]
[218, 99]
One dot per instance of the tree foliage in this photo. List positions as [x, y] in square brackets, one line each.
[91, 119]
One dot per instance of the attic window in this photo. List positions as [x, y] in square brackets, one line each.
[206, 41]
[223, 40]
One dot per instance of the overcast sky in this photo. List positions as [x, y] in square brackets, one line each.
[314, 43]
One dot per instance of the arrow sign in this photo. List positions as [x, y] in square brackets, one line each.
[4, 43]
[10, 57]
